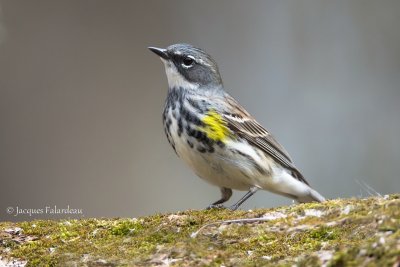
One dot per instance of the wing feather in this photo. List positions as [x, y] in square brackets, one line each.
[246, 127]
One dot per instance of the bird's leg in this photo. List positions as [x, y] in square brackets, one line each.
[226, 194]
[251, 192]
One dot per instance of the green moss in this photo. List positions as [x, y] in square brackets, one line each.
[126, 227]
[324, 234]
[351, 231]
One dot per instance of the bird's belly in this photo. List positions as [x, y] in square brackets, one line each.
[232, 164]
[212, 169]
[222, 167]
[226, 169]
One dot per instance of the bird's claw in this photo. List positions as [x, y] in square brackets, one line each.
[233, 207]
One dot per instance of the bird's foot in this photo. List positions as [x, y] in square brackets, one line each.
[233, 207]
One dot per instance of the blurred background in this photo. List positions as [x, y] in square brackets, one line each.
[81, 98]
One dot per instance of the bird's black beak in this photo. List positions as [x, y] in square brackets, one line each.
[160, 52]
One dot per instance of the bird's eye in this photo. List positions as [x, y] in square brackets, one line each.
[188, 62]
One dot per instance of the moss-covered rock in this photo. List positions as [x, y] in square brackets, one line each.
[339, 232]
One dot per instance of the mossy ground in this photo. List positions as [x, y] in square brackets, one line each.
[347, 232]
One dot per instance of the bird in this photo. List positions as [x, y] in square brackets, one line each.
[217, 138]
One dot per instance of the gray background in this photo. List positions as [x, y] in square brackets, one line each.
[81, 98]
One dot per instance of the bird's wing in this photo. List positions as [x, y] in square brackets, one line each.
[245, 126]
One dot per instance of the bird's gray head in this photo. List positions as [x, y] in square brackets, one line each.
[189, 67]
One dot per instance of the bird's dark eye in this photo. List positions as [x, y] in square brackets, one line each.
[187, 62]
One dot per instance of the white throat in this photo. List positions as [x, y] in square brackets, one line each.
[175, 79]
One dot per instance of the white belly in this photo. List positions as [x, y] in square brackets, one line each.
[213, 168]
[223, 167]
[237, 166]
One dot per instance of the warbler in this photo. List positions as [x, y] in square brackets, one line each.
[220, 141]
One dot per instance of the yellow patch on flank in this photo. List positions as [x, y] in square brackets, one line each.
[215, 127]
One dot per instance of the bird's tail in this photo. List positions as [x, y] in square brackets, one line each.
[312, 196]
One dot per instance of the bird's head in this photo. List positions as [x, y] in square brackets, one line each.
[189, 67]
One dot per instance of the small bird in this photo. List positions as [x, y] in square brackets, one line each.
[220, 141]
